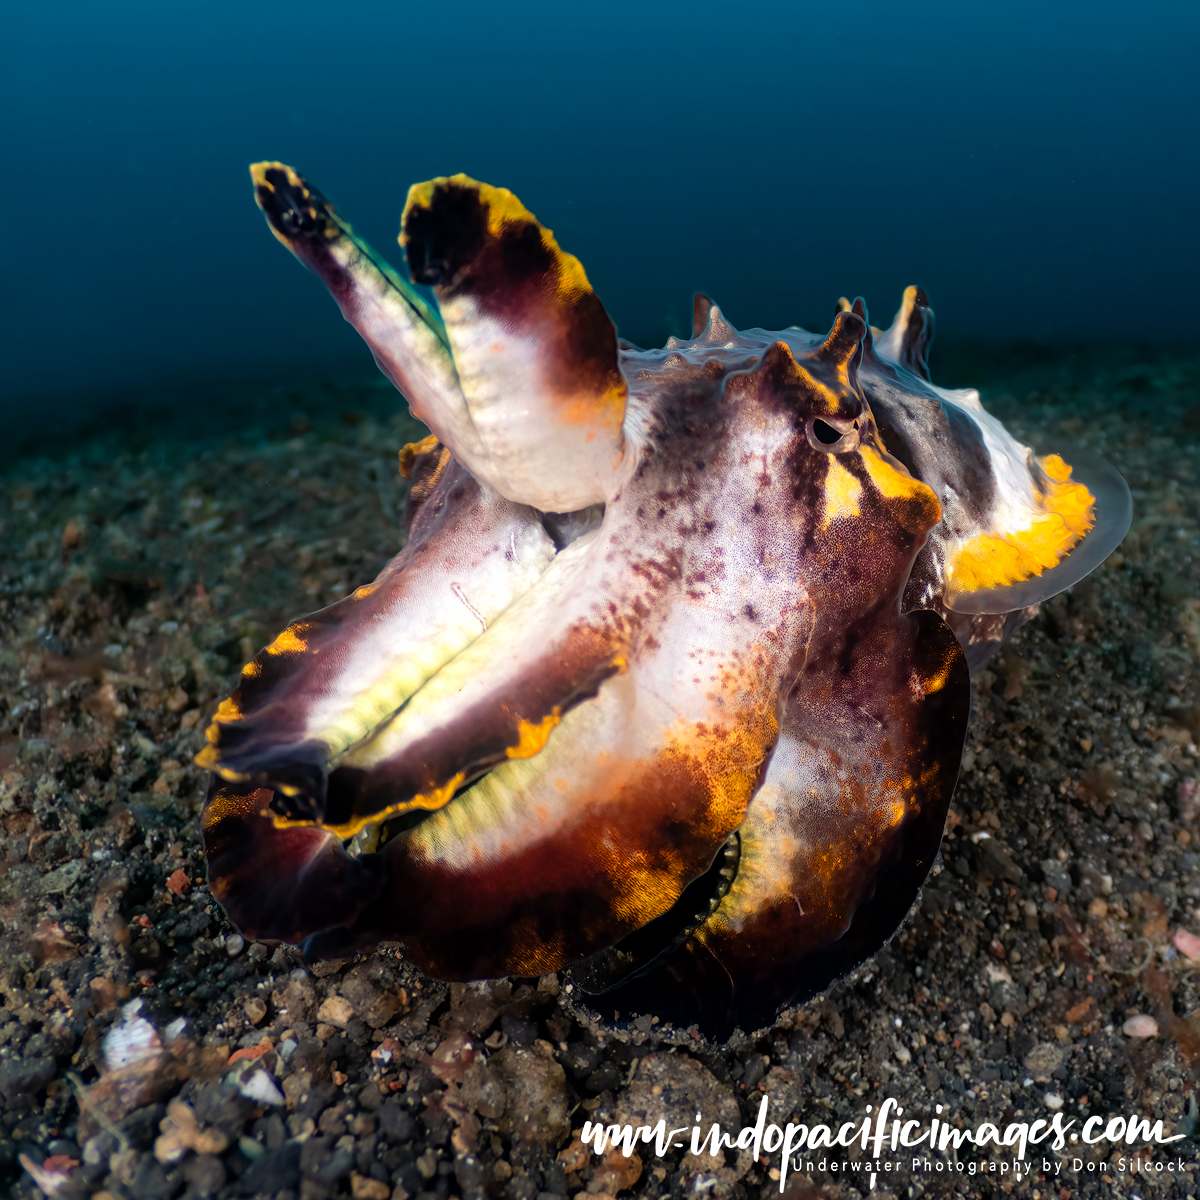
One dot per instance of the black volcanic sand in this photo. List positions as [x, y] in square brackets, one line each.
[139, 571]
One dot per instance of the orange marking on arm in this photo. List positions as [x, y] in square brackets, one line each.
[288, 642]
[408, 453]
[209, 758]
[223, 806]
[430, 801]
[937, 681]
[531, 738]
[607, 410]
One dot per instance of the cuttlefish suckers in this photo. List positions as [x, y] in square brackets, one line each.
[669, 684]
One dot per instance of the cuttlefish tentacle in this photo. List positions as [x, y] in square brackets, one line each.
[839, 836]
[517, 371]
[329, 680]
[548, 652]
[404, 332]
[535, 352]
[548, 857]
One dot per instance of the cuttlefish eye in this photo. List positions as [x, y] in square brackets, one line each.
[667, 687]
[832, 435]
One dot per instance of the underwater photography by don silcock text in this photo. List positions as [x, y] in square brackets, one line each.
[622, 713]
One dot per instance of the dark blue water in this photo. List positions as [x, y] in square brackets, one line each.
[1032, 165]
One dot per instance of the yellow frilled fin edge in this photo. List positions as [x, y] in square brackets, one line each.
[1081, 512]
[1064, 513]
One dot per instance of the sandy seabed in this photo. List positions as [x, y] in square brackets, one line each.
[1050, 967]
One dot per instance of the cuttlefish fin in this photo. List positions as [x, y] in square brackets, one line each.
[1077, 516]
[535, 353]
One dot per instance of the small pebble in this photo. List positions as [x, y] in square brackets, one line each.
[1043, 1059]
[234, 944]
[1188, 944]
[363, 1187]
[1052, 1100]
[250, 1148]
[335, 1010]
[258, 1085]
[1140, 1026]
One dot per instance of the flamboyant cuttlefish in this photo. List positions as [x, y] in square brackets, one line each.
[669, 684]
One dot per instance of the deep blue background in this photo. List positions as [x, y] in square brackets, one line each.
[1033, 165]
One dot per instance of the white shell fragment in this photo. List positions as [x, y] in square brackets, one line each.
[1140, 1026]
[131, 1041]
[260, 1087]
